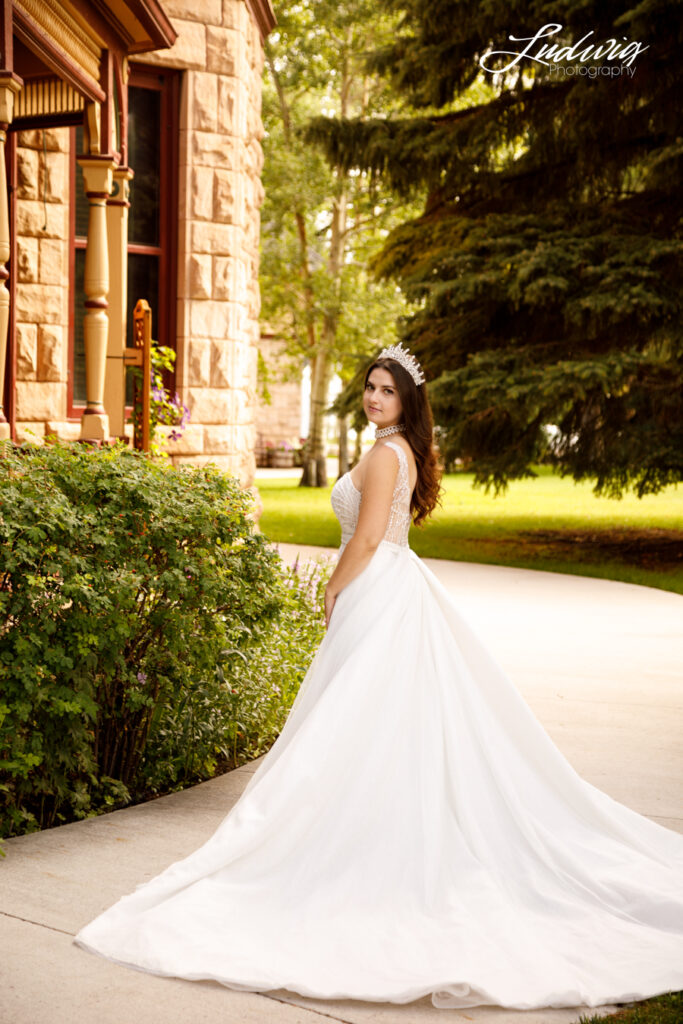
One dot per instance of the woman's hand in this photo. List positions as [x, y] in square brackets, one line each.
[330, 598]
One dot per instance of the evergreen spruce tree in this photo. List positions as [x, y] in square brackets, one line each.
[547, 262]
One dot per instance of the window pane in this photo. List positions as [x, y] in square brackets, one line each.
[78, 298]
[144, 126]
[82, 205]
[143, 283]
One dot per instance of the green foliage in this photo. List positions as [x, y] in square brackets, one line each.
[666, 1009]
[319, 227]
[236, 714]
[163, 408]
[128, 591]
[548, 261]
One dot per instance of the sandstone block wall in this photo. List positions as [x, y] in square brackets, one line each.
[220, 194]
[42, 284]
[220, 52]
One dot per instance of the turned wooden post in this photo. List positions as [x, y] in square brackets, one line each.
[141, 355]
[117, 231]
[10, 85]
[97, 175]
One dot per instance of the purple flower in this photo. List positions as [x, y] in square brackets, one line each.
[142, 677]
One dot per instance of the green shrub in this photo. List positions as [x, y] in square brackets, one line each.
[222, 721]
[665, 1009]
[126, 588]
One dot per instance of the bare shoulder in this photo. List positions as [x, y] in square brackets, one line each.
[402, 443]
[399, 440]
[378, 459]
[405, 446]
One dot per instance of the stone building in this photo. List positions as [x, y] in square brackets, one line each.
[279, 421]
[133, 171]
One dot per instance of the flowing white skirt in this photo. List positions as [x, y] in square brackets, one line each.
[414, 831]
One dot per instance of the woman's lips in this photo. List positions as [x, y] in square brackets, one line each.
[372, 409]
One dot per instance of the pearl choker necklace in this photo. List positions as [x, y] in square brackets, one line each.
[385, 431]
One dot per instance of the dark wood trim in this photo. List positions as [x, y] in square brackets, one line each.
[72, 411]
[6, 74]
[137, 249]
[149, 76]
[263, 14]
[167, 81]
[116, 36]
[171, 171]
[107, 124]
[121, 88]
[6, 45]
[10, 383]
[53, 57]
[154, 20]
[20, 124]
[149, 14]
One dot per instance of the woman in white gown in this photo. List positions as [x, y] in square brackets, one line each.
[413, 831]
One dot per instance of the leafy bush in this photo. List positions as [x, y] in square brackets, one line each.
[665, 1009]
[133, 597]
[223, 721]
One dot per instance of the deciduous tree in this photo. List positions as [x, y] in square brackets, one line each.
[320, 226]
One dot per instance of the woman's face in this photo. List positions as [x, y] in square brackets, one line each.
[381, 402]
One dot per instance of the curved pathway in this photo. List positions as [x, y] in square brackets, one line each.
[599, 662]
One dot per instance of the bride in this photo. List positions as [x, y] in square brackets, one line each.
[413, 831]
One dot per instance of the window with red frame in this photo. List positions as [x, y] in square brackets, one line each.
[152, 218]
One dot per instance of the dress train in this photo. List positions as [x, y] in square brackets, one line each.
[414, 830]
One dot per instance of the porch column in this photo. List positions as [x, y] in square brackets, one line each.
[117, 231]
[97, 176]
[10, 85]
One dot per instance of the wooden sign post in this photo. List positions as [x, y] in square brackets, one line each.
[141, 355]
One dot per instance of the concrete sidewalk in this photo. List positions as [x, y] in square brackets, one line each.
[600, 665]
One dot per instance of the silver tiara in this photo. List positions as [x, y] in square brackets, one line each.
[403, 356]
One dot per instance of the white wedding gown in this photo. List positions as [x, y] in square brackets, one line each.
[414, 831]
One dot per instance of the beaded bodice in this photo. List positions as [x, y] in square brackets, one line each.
[346, 500]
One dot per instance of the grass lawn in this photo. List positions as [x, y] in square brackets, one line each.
[666, 1009]
[547, 523]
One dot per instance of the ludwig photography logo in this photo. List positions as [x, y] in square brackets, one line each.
[609, 59]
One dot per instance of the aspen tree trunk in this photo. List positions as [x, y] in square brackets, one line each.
[321, 349]
[315, 455]
[314, 468]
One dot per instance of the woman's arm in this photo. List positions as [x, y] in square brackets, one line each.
[373, 517]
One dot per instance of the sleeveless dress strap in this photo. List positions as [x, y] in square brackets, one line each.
[403, 458]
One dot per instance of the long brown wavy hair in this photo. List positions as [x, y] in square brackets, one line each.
[419, 432]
